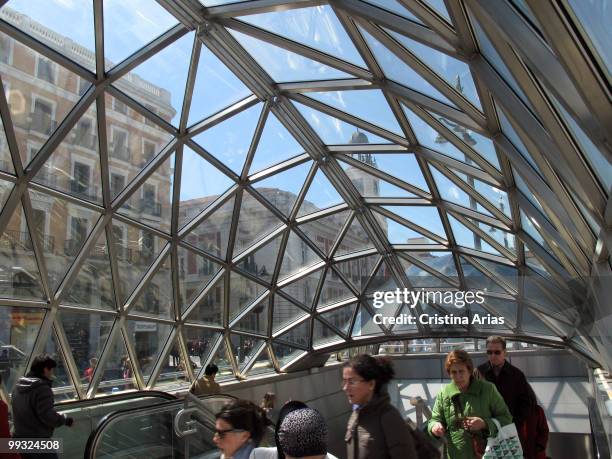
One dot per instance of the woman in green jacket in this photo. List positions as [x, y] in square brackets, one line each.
[464, 410]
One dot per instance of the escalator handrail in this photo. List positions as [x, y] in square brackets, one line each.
[96, 434]
[76, 404]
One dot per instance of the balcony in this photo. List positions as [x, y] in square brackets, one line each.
[120, 151]
[150, 207]
[86, 140]
[84, 190]
[21, 239]
[42, 123]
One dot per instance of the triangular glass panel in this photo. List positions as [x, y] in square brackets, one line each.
[156, 298]
[255, 221]
[135, 250]
[62, 382]
[481, 319]
[369, 105]
[506, 239]
[354, 240]
[382, 279]
[244, 348]
[383, 309]
[533, 325]
[52, 215]
[321, 195]
[419, 277]
[212, 234]
[504, 308]
[283, 65]
[6, 162]
[426, 217]
[509, 274]
[316, 27]
[256, 320]
[74, 166]
[243, 292]
[431, 138]
[118, 372]
[200, 342]
[455, 72]
[514, 138]
[93, 286]
[547, 298]
[209, 310]
[151, 203]
[261, 263]
[282, 189]
[17, 254]
[322, 334]
[333, 290]
[440, 8]
[229, 141]
[275, 145]
[400, 234]
[477, 280]
[534, 263]
[403, 323]
[495, 196]
[334, 131]
[340, 317]
[364, 324]
[400, 72]
[215, 88]
[298, 335]
[285, 313]
[442, 262]
[286, 354]
[404, 166]
[479, 143]
[370, 186]
[130, 149]
[304, 289]
[395, 7]
[223, 362]
[324, 231]
[467, 238]
[262, 365]
[298, 256]
[156, 335]
[165, 73]
[128, 26]
[452, 193]
[56, 25]
[173, 375]
[198, 194]
[195, 272]
[357, 270]
[532, 227]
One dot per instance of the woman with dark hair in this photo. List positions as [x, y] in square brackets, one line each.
[464, 409]
[239, 427]
[375, 429]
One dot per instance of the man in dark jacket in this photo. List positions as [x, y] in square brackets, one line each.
[510, 382]
[32, 401]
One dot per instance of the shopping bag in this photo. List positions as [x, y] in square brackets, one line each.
[505, 445]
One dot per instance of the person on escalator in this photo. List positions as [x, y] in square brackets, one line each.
[32, 402]
[207, 385]
[239, 428]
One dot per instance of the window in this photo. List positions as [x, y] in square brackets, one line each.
[45, 69]
[83, 86]
[149, 203]
[84, 135]
[117, 183]
[42, 117]
[147, 242]
[148, 150]
[6, 49]
[78, 234]
[81, 180]
[119, 144]
[119, 106]
[119, 241]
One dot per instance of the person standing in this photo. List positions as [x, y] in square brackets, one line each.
[207, 385]
[513, 387]
[32, 403]
[375, 429]
[464, 410]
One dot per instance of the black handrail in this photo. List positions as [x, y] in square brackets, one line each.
[76, 404]
[95, 435]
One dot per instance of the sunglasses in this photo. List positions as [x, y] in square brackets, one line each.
[222, 433]
[494, 352]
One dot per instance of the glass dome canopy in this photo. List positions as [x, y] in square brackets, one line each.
[233, 182]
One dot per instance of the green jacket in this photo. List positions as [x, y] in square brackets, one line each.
[481, 400]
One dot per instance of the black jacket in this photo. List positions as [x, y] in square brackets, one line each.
[33, 413]
[513, 387]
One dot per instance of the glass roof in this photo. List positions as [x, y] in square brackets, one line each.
[237, 189]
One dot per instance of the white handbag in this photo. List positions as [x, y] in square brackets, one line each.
[505, 445]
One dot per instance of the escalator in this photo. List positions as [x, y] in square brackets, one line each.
[88, 413]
